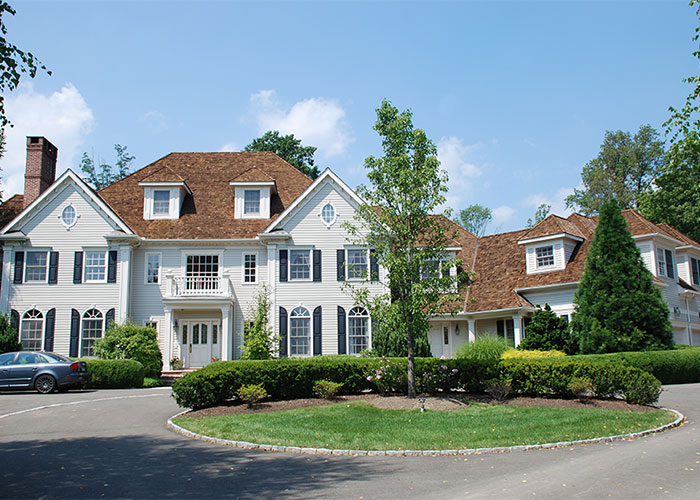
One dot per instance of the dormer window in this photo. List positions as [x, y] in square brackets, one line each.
[545, 256]
[664, 263]
[163, 200]
[251, 203]
[252, 199]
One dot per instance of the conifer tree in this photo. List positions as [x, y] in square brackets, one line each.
[547, 331]
[618, 308]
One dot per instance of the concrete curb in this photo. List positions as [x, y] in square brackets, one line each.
[680, 418]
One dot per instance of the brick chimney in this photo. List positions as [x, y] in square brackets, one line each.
[41, 168]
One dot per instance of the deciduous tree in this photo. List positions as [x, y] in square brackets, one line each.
[540, 214]
[104, 175]
[475, 218]
[289, 149]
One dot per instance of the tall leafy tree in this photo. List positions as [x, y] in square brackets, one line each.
[624, 169]
[406, 185]
[289, 149]
[618, 308]
[475, 218]
[106, 174]
[540, 214]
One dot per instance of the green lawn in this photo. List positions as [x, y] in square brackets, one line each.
[361, 426]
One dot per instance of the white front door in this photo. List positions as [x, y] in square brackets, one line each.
[202, 339]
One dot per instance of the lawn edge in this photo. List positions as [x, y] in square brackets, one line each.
[680, 419]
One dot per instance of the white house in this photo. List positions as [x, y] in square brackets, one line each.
[186, 243]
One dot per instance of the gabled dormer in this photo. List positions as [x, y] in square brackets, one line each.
[252, 194]
[550, 245]
[163, 194]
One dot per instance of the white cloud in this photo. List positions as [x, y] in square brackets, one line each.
[453, 155]
[502, 214]
[155, 120]
[63, 117]
[557, 201]
[230, 147]
[316, 121]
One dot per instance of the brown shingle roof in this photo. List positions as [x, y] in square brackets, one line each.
[163, 174]
[552, 225]
[10, 209]
[208, 213]
[253, 174]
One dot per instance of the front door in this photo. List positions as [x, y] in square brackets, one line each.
[202, 342]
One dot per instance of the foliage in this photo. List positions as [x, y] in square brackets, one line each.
[14, 62]
[624, 169]
[129, 341]
[618, 308]
[103, 176]
[9, 338]
[389, 377]
[176, 363]
[289, 149]
[540, 214]
[498, 388]
[406, 186]
[152, 382]
[438, 377]
[389, 335]
[581, 387]
[251, 394]
[475, 218]
[547, 332]
[326, 389]
[259, 343]
[113, 373]
[525, 354]
[487, 349]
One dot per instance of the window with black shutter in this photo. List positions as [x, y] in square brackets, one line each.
[53, 268]
[78, 268]
[317, 331]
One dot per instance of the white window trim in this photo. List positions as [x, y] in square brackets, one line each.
[257, 268]
[239, 200]
[554, 258]
[41, 330]
[204, 251]
[75, 221]
[661, 271]
[253, 215]
[347, 330]
[154, 321]
[83, 318]
[176, 198]
[311, 332]
[335, 215]
[690, 263]
[160, 269]
[347, 264]
[309, 250]
[29, 250]
[95, 250]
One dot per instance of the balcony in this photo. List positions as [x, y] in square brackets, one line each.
[199, 286]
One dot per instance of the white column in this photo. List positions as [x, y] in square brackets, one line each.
[517, 329]
[8, 254]
[225, 333]
[168, 354]
[471, 329]
[124, 282]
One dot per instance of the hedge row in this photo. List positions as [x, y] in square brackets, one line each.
[113, 373]
[676, 366]
[294, 378]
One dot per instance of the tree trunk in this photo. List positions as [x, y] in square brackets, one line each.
[411, 366]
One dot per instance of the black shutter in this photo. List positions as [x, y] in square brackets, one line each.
[109, 318]
[53, 268]
[341, 264]
[317, 265]
[14, 320]
[19, 266]
[112, 267]
[74, 331]
[283, 265]
[49, 329]
[342, 348]
[317, 331]
[283, 331]
[669, 264]
[78, 268]
[500, 328]
[373, 266]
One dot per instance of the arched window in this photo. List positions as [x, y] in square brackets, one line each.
[31, 330]
[358, 330]
[93, 323]
[300, 332]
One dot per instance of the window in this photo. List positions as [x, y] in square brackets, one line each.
[7, 358]
[31, 330]
[152, 268]
[299, 264]
[299, 332]
[152, 324]
[545, 256]
[92, 331]
[506, 329]
[664, 262]
[69, 216]
[446, 335]
[251, 201]
[95, 266]
[35, 268]
[430, 270]
[695, 270]
[357, 263]
[161, 202]
[250, 268]
[328, 214]
[358, 330]
[202, 272]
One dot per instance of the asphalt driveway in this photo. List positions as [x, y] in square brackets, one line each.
[114, 444]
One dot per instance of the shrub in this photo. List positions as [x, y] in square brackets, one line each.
[129, 341]
[326, 389]
[258, 341]
[176, 363]
[389, 377]
[547, 332]
[152, 382]
[581, 387]
[486, 349]
[113, 373]
[498, 388]
[251, 393]
[522, 354]
[437, 377]
[9, 340]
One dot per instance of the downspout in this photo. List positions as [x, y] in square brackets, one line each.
[469, 288]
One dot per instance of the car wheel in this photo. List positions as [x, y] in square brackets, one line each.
[45, 384]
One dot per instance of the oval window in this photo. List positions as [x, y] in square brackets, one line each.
[68, 216]
[328, 214]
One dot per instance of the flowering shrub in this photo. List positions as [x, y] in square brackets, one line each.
[437, 378]
[214, 360]
[389, 377]
[176, 363]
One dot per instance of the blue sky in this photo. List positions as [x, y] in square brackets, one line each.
[516, 95]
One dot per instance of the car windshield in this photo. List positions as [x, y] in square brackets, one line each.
[57, 357]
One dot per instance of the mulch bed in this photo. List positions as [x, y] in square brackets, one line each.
[449, 402]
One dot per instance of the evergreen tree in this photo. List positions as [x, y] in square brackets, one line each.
[547, 331]
[618, 308]
[9, 339]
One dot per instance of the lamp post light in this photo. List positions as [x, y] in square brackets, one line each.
[422, 404]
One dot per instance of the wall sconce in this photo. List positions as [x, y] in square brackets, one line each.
[676, 309]
[457, 330]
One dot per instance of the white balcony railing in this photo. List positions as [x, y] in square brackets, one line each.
[199, 286]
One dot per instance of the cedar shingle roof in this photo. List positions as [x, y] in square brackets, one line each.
[253, 174]
[163, 174]
[552, 225]
[10, 208]
[208, 213]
